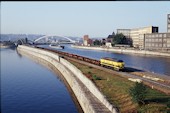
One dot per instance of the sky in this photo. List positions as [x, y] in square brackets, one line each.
[96, 19]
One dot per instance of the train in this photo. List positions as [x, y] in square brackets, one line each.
[112, 63]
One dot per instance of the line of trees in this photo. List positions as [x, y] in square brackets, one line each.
[114, 39]
[119, 38]
[97, 42]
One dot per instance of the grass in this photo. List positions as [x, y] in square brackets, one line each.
[116, 89]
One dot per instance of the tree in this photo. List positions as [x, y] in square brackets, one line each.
[120, 39]
[97, 42]
[138, 92]
[103, 41]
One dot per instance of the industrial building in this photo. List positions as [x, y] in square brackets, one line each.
[158, 41]
[168, 23]
[137, 33]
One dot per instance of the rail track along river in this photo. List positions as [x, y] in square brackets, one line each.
[150, 79]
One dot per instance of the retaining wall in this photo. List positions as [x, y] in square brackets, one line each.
[79, 90]
[143, 52]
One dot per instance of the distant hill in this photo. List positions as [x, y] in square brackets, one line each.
[12, 37]
[97, 37]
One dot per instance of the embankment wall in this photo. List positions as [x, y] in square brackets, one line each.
[74, 79]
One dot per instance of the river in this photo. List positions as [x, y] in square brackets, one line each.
[28, 87]
[155, 64]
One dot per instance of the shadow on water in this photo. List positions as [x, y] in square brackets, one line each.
[20, 55]
[13, 48]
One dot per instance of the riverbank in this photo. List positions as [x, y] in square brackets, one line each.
[116, 89]
[6, 46]
[125, 51]
[88, 95]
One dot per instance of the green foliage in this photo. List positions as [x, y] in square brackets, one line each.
[120, 39]
[90, 67]
[138, 92]
[97, 42]
[96, 78]
[89, 72]
[168, 103]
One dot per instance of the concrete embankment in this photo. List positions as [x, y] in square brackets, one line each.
[125, 51]
[88, 95]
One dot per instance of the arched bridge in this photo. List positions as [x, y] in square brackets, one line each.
[53, 39]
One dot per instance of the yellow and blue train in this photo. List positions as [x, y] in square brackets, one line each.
[113, 63]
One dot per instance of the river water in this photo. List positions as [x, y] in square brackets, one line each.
[28, 87]
[155, 64]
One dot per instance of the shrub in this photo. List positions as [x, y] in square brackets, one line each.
[168, 103]
[89, 72]
[138, 93]
[96, 78]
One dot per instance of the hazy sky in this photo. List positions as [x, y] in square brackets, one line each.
[97, 19]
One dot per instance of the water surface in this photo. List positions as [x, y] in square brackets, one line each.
[28, 87]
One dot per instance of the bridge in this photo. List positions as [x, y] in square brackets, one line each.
[48, 39]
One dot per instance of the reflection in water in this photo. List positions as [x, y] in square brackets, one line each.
[27, 87]
[154, 64]
[59, 76]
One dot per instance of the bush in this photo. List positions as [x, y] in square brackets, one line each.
[96, 78]
[138, 93]
[89, 72]
[168, 103]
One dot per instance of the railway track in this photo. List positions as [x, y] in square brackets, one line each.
[125, 73]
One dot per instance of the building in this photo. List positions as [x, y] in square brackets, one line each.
[87, 41]
[108, 44]
[125, 32]
[158, 41]
[148, 37]
[109, 38]
[168, 23]
[90, 42]
[136, 34]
